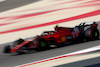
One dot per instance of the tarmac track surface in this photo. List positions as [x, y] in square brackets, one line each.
[7, 60]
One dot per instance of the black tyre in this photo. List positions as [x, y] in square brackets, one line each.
[7, 49]
[41, 44]
[92, 34]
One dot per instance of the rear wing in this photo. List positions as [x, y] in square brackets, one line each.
[88, 23]
[93, 24]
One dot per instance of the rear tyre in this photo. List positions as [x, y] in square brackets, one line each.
[91, 34]
[7, 49]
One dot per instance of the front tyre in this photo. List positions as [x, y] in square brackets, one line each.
[41, 44]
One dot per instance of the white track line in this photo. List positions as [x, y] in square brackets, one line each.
[62, 56]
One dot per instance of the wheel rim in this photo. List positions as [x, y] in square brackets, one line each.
[96, 34]
[42, 44]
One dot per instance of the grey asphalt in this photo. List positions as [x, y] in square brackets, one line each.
[10, 4]
[7, 60]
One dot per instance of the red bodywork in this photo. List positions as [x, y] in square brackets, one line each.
[22, 44]
[59, 36]
[19, 46]
[56, 36]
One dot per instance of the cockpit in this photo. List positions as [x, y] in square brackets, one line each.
[48, 33]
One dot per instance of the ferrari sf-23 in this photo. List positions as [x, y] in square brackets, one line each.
[61, 36]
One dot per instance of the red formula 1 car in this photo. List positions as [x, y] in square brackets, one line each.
[61, 36]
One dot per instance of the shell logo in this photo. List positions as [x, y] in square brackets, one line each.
[63, 39]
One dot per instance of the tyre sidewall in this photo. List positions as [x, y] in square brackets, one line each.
[91, 34]
[41, 44]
